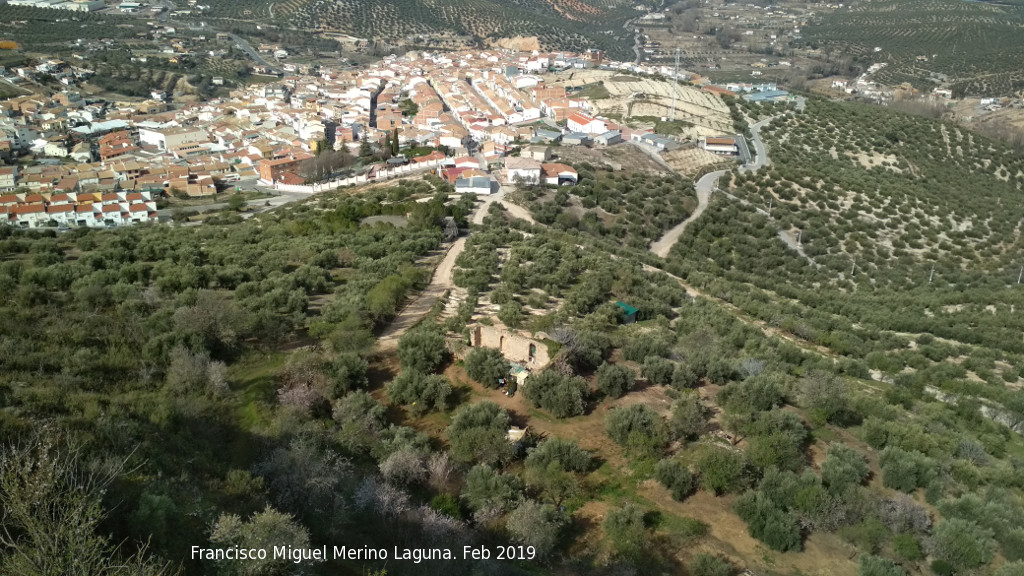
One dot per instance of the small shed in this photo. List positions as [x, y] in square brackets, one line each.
[608, 138]
[576, 139]
[628, 312]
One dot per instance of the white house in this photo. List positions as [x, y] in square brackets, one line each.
[579, 122]
[8, 177]
[474, 185]
[559, 174]
[725, 145]
[525, 170]
[450, 141]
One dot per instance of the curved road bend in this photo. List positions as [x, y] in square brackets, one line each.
[706, 185]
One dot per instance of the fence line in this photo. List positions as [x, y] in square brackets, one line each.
[384, 174]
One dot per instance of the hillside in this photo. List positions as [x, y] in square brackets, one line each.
[558, 24]
[823, 377]
[976, 45]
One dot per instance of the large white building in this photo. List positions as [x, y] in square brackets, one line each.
[170, 138]
[525, 170]
[578, 122]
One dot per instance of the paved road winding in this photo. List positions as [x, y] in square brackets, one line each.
[244, 46]
[706, 185]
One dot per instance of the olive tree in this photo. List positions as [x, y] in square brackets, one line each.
[637, 427]
[538, 525]
[478, 433]
[420, 392]
[486, 366]
[615, 380]
[264, 529]
[963, 544]
[843, 467]
[561, 395]
[675, 476]
[422, 349]
[689, 416]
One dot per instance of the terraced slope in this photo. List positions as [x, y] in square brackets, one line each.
[978, 45]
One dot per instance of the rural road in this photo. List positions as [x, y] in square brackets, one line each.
[707, 185]
[514, 209]
[244, 46]
[788, 240]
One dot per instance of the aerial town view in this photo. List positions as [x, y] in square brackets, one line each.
[613, 287]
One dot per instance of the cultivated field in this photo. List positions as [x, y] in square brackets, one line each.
[976, 45]
[595, 23]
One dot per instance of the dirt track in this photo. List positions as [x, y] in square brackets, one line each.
[441, 280]
[413, 312]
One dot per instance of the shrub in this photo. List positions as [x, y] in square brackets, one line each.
[422, 393]
[675, 476]
[907, 547]
[486, 366]
[637, 426]
[615, 380]
[843, 467]
[625, 529]
[721, 470]
[486, 487]
[942, 568]
[563, 396]
[645, 346]
[566, 453]
[478, 433]
[422, 349]
[1011, 543]
[707, 565]
[1011, 569]
[875, 566]
[446, 504]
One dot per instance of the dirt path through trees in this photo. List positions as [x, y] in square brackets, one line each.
[440, 282]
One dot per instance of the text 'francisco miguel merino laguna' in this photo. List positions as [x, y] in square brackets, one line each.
[416, 555]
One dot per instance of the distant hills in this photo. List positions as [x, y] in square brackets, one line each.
[976, 46]
[558, 24]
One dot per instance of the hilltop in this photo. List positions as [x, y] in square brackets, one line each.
[591, 23]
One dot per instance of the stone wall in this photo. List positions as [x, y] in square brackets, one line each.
[516, 348]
